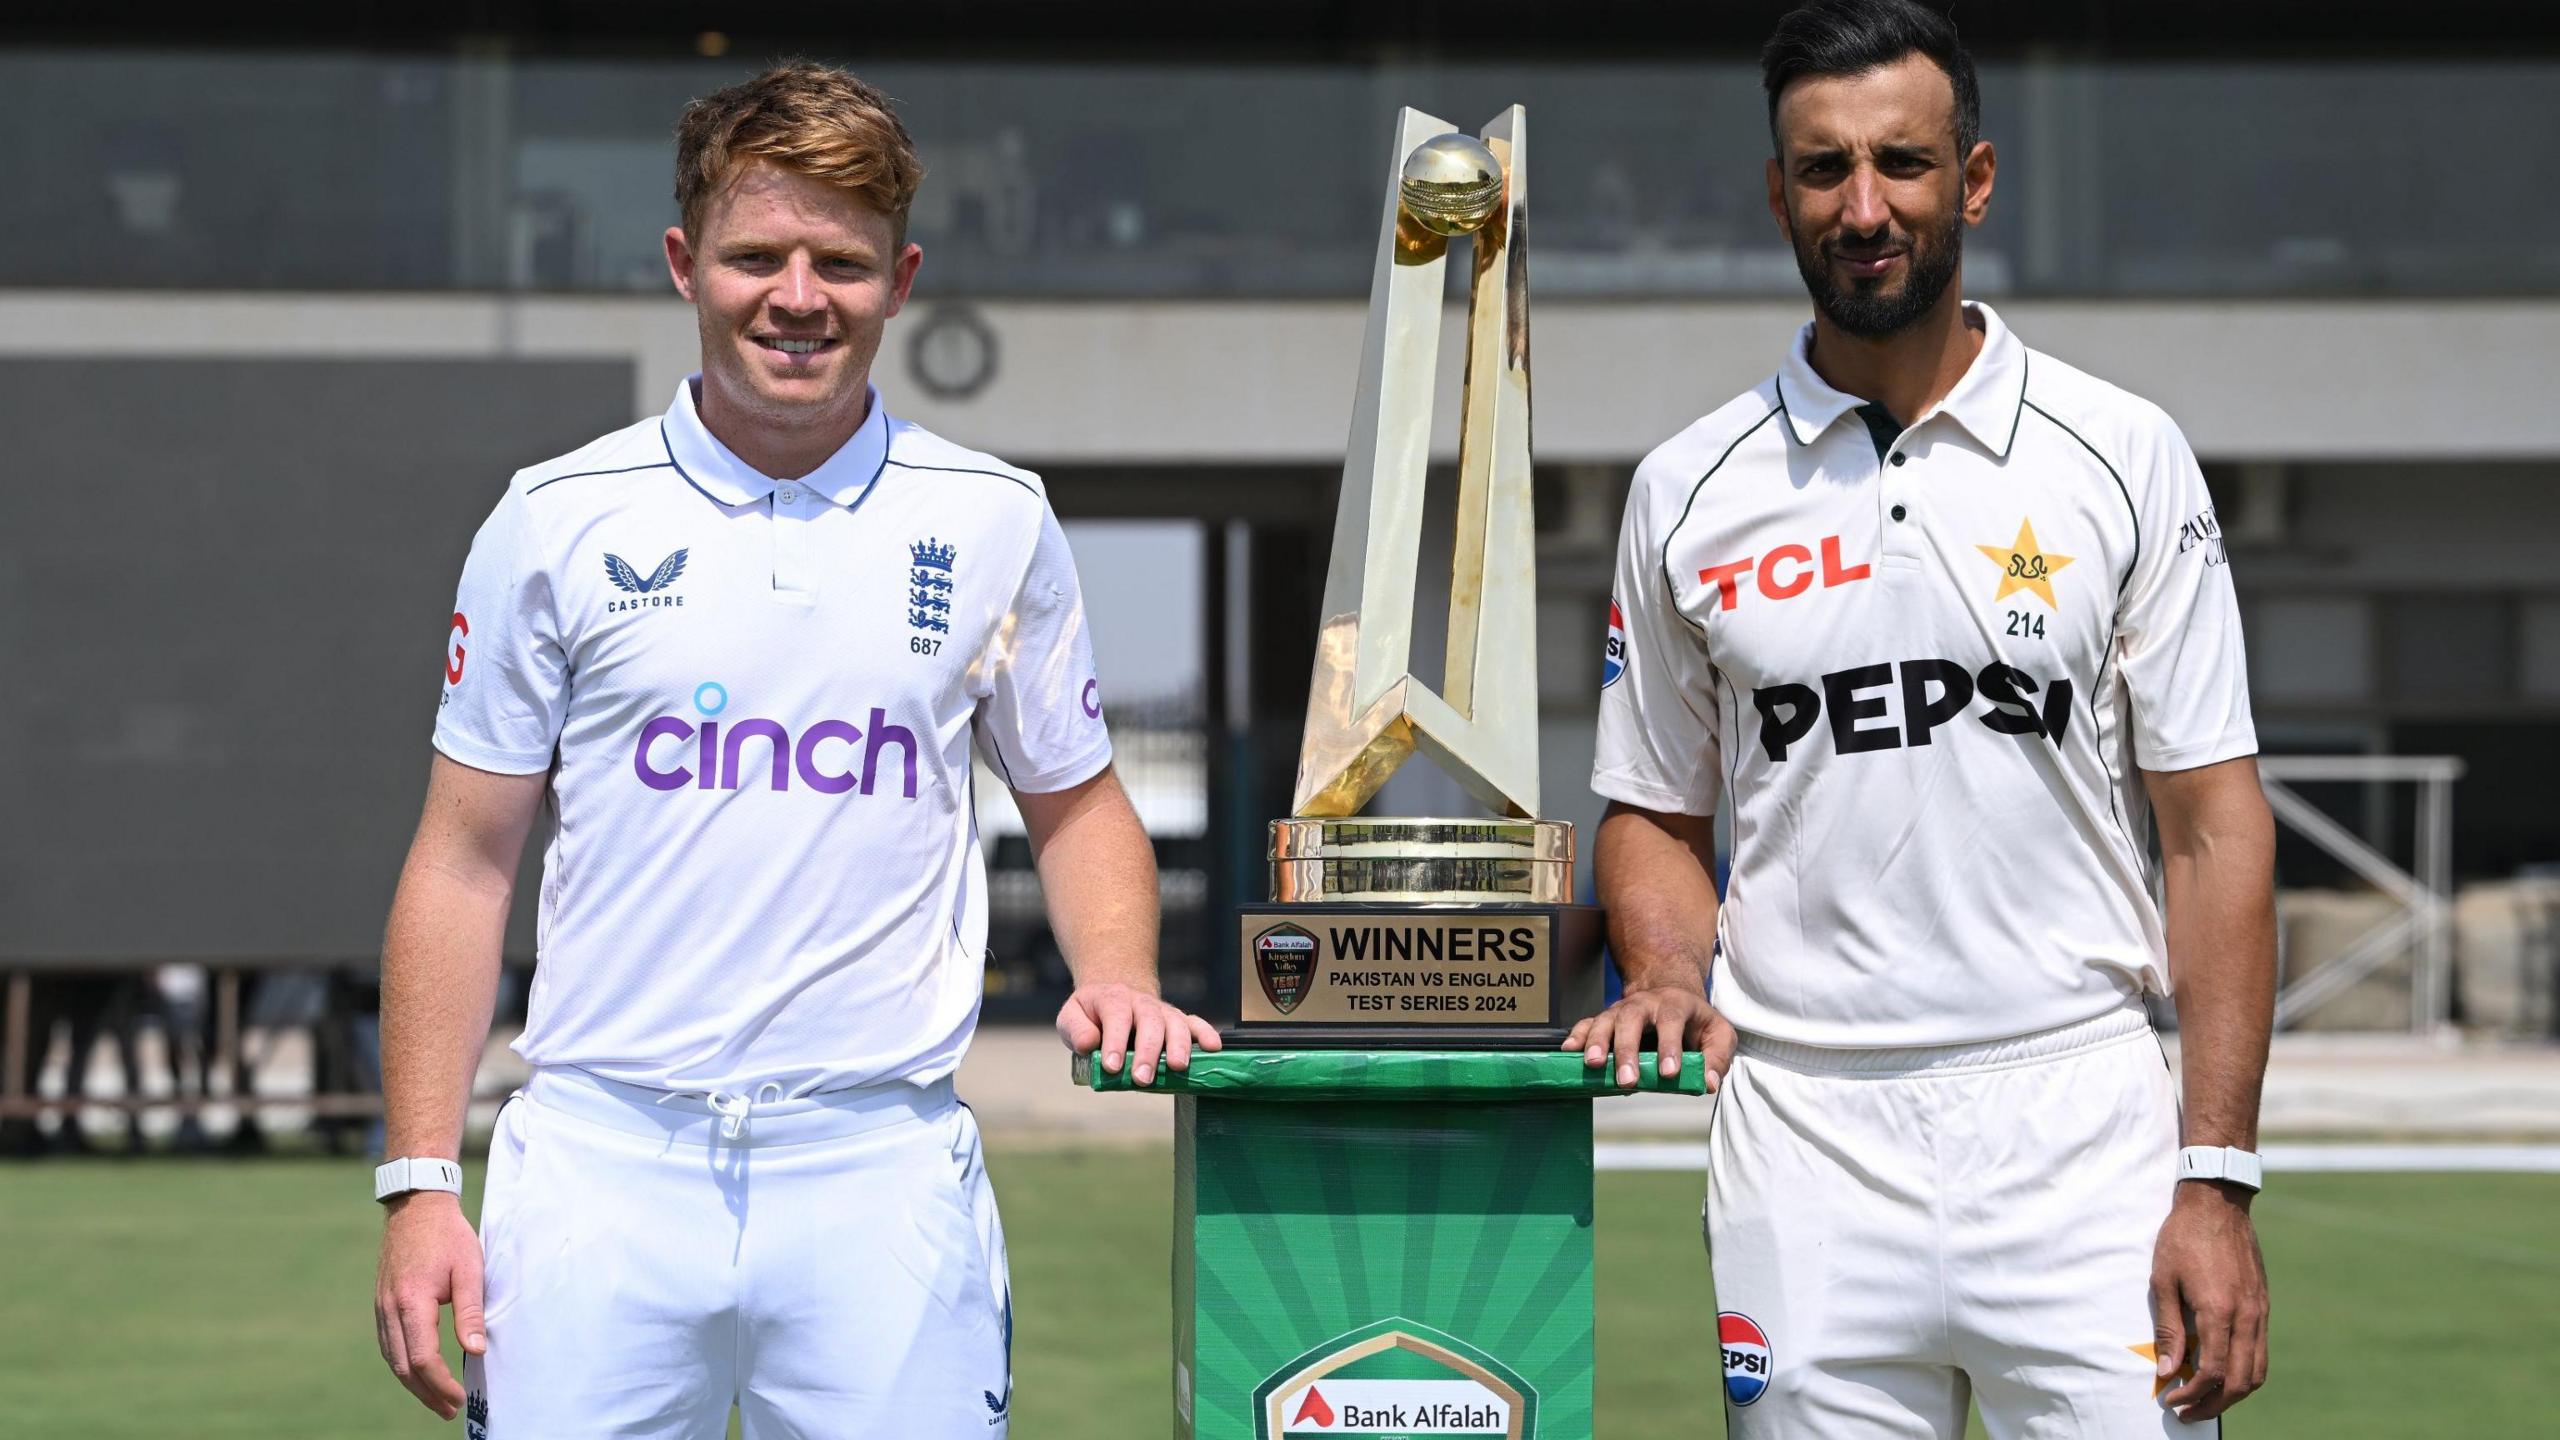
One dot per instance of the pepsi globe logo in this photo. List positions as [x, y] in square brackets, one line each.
[1613, 656]
[1747, 1361]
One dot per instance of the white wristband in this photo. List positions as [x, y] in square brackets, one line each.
[399, 1177]
[2224, 1163]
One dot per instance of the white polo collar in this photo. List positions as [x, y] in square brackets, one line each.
[1986, 402]
[699, 456]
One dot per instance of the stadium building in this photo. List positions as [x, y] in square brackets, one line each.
[283, 302]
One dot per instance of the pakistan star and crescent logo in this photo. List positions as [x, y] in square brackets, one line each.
[2025, 566]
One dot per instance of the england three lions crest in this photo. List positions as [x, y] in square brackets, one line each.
[929, 581]
[1285, 957]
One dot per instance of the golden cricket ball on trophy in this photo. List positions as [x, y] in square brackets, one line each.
[1451, 184]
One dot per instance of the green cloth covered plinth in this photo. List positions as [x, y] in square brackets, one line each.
[1496, 1075]
[1384, 1244]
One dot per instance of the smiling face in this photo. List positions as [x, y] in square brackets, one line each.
[792, 282]
[1870, 192]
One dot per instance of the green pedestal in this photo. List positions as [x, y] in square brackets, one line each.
[1384, 1244]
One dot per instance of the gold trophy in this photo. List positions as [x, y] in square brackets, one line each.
[1444, 933]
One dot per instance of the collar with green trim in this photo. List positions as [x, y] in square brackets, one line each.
[1986, 401]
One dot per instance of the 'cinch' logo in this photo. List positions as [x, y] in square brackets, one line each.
[719, 750]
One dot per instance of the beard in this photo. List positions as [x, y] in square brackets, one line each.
[1862, 307]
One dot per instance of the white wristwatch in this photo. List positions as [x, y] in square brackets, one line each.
[399, 1177]
[2224, 1163]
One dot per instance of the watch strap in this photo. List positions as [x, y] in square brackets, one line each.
[416, 1172]
[2224, 1163]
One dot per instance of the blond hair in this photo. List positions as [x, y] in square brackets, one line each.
[809, 119]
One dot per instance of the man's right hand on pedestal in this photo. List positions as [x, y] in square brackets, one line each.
[1679, 1018]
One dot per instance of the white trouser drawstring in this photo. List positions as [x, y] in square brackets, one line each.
[737, 1112]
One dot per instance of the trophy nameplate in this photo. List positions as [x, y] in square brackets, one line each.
[1442, 933]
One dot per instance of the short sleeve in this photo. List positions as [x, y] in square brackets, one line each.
[2178, 623]
[505, 672]
[1040, 717]
[1658, 746]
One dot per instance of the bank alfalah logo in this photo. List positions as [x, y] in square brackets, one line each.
[1396, 1377]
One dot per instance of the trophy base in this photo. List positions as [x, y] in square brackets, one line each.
[1384, 1041]
[1387, 975]
[1422, 861]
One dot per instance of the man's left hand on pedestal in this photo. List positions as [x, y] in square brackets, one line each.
[1117, 1019]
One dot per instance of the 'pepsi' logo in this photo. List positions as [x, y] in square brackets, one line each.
[1613, 656]
[1747, 1361]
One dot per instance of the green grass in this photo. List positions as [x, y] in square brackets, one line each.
[176, 1299]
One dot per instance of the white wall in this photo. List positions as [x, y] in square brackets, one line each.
[1140, 381]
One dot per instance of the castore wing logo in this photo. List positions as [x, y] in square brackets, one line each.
[629, 580]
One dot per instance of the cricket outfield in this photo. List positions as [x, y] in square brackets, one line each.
[182, 1299]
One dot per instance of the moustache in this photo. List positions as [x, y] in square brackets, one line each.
[1867, 247]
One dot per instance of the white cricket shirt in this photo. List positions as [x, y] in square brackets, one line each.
[756, 701]
[1926, 664]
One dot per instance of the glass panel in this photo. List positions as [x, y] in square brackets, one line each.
[2540, 647]
[2310, 648]
[233, 171]
[2450, 648]
[240, 170]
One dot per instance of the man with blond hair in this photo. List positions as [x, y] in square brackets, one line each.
[744, 651]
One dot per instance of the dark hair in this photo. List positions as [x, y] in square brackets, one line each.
[1852, 37]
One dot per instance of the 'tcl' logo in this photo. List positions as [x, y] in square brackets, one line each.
[1727, 578]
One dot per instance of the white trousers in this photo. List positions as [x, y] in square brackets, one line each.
[1894, 1232]
[832, 1266]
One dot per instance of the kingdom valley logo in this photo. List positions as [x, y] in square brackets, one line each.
[1395, 1378]
[1284, 956]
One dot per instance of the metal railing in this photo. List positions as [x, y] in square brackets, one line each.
[2421, 925]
